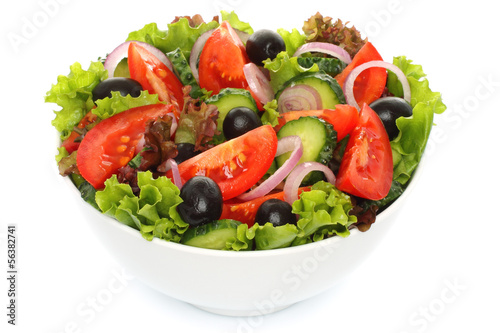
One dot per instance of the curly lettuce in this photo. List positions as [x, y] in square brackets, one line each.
[108, 107]
[409, 146]
[323, 211]
[180, 34]
[73, 93]
[153, 212]
[283, 68]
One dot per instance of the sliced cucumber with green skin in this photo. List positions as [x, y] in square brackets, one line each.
[331, 66]
[184, 72]
[318, 141]
[228, 99]
[213, 235]
[327, 87]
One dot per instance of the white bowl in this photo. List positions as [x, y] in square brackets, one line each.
[240, 283]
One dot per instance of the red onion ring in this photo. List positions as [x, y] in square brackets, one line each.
[176, 176]
[299, 97]
[121, 51]
[295, 178]
[258, 83]
[327, 48]
[351, 78]
[290, 143]
[196, 51]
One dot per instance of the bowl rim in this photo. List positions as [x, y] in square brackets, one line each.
[256, 253]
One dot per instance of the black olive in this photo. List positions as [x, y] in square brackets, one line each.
[202, 201]
[123, 85]
[185, 151]
[264, 44]
[389, 109]
[276, 211]
[240, 120]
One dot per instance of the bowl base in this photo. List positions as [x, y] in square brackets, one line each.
[240, 313]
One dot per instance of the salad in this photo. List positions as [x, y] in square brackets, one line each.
[214, 135]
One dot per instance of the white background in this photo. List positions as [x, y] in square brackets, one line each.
[437, 270]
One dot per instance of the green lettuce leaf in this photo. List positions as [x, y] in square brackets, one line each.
[293, 40]
[108, 107]
[268, 237]
[270, 115]
[409, 146]
[73, 93]
[283, 68]
[153, 212]
[178, 35]
[235, 22]
[323, 211]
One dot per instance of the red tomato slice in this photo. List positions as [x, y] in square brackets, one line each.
[222, 60]
[366, 168]
[154, 76]
[370, 84]
[343, 118]
[245, 211]
[70, 144]
[112, 143]
[235, 165]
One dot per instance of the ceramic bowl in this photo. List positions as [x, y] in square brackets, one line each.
[240, 283]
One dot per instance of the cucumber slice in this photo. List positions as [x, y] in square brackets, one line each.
[327, 87]
[184, 72]
[331, 66]
[213, 235]
[318, 141]
[230, 98]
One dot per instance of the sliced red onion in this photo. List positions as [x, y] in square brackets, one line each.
[295, 178]
[121, 52]
[258, 83]
[299, 97]
[289, 143]
[327, 48]
[351, 78]
[196, 51]
[171, 164]
[243, 35]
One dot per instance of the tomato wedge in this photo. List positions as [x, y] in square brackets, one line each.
[112, 143]
[370, 84]
[222, 60]
[366, 168]
[235, 165]
[245, 211]
[343, 118]
[154, 76]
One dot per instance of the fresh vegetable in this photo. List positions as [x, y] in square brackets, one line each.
[214, 235]
[318, 139]
[233, 165]
[343, 118]
[113, 142]
[320, 91]
[218, 70]
[154, 76]
[366, 168]
[370, 84]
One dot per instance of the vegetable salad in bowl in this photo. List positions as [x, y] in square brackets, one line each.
[213, 135]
